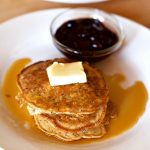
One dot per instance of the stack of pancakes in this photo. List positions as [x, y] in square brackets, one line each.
[69, 112]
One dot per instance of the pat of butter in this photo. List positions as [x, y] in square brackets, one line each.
[66, 73]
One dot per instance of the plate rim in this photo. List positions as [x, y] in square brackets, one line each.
[77, 1]
[64, 9]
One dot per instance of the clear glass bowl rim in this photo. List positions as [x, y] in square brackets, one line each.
[106, 51]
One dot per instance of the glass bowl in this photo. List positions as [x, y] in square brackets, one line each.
[109, 20]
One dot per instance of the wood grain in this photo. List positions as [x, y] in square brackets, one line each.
[137, 10]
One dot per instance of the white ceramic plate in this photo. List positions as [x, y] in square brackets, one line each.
[76, 1]
[28, 36]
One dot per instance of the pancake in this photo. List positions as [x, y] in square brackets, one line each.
[72, 122]
[68, 112]
[50, 128]
[83, 98]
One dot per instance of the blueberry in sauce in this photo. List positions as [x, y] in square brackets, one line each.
[86, 34]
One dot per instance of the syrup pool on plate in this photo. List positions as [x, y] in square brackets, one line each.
[128, 102]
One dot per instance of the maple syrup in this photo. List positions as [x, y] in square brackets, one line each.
[129, 101]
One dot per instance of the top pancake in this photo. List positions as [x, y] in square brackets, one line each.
[80, 98]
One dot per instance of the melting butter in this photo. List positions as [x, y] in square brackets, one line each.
[66, 73]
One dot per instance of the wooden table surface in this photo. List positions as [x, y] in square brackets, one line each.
[138, 10]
